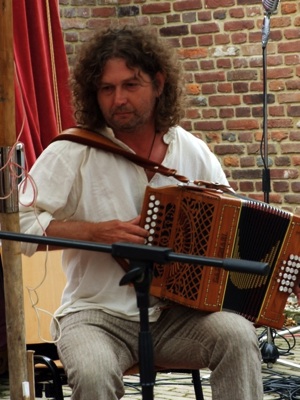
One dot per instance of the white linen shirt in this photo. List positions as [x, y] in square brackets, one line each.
[76, 182]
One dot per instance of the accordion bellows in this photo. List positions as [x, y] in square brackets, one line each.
[209, 223]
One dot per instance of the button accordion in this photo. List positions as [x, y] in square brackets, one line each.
[203, 222]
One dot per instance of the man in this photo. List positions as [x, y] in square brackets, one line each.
[127, 86]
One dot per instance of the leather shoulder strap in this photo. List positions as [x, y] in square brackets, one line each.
[93, 139]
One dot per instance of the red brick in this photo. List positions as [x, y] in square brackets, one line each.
[219, 3]
[224, 63]
[193, 88]
[281, 186]
[156, 8]
[238, 25]
[189, 41]
[294, 135]
[224, 100]
[226, 112]
[247, 162]
[192, 113]
[247, 187]
[204, 16]
[210, 113]
[292, 198]
[205, 28]
[242, 112]
[224, 87]
[103, 12]
[282, 161]
[176, 30]
[278, 136]
[224, 149]
[231, 161]
[222, 38]
[238, 38]
[183, 5]
[289, 47]
[289, 8]
[192, 53]
[295, 186]
[209, 88]
[290, 148]
[210, 77]
[173, 18]
[296, 160]
[209, 125]
[242, 124]
[212, 137]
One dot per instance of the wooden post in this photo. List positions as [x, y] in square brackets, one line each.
[9, 216]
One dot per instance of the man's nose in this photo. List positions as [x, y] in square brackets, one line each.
[120, 96]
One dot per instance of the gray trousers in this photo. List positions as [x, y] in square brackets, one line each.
[96, 348]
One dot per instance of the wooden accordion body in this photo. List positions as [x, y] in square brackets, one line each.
[208, 223]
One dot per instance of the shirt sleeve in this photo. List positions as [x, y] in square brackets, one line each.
[44, 193]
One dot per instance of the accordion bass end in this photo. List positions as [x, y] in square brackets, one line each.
[208, 223]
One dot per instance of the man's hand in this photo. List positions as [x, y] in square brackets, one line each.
[119, 231]
[107, 232]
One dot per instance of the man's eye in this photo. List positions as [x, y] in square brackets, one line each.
[106, 89]
[132, 85]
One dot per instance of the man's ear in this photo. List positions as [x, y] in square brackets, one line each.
[159, 83]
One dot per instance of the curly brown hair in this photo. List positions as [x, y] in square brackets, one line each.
[139, 47]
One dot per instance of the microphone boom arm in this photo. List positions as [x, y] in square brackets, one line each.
[152, 254]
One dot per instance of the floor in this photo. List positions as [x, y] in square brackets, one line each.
[281, 380]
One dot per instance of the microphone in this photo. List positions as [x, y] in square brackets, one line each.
[270, 5]
[265, 30]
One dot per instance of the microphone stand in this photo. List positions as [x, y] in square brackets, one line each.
[269, 351]
[266, 185]
[141, 260]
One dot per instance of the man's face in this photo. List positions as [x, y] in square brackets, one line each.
[127, 97]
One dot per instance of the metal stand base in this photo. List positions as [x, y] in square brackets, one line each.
[279, 360]
[287, 363]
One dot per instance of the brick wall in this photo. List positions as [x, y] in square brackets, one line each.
[219, 44]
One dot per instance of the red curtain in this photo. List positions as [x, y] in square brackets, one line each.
[41, 75]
